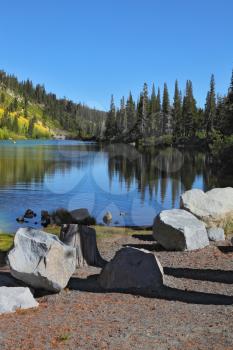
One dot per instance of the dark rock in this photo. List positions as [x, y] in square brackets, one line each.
[29, 214]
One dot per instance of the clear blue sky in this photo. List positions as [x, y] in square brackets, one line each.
[86, 50]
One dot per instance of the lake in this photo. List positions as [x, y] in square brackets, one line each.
[133, 184]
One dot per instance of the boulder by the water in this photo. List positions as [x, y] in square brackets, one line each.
[177, 229]
[80, 214]
[29, 214]
[214, 207]
[45, 218]
[14, 298]
[20, 219]
[216, 234]
[107, 218]
[41, 260]
[132, 269]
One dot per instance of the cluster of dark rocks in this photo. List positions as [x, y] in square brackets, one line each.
[29, 214]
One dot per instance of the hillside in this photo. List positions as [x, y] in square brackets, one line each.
[28, 111]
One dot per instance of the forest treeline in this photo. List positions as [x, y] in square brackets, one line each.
[157, 118]
[30, 111]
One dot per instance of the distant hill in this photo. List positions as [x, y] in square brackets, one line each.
[28, 111]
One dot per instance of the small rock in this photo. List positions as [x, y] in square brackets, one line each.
[107, 218]
[45, 218]
[132, 269]
[29, 214]
[20, 219]
[14, 298]
[216, 234]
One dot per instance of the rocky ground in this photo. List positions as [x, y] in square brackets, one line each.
[193, 311]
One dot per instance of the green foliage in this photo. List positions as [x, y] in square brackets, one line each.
[6, 242]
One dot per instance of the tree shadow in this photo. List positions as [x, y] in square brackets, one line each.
[201, 275]
[150, 247]
[92, 285]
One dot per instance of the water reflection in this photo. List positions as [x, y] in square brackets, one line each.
[133, 184]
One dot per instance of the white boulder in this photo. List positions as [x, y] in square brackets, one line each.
[177, 229]
[214, 207]
[132, 269]
[41, 260]
[14, 298]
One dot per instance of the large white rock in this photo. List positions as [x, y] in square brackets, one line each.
[132, 269]
[41, 260]
[13, 298]
[214, 207]
[177, 229]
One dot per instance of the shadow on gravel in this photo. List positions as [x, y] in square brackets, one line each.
[165, 293]
[144, 237]
[225, 249]
[151, 247]
[201, 275]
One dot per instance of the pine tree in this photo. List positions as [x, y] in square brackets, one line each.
[31, 126]
[210, 108]
[130, 113]
[151, 125]
[15, 125]
[158, 104]
[228, 119]
[177, 113]
[166, 117]
[189, 111]
[111, 120]
[145, 110]
[121, 118]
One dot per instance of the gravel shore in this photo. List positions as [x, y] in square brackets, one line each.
[194, 310]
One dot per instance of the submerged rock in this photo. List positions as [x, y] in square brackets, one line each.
[177, 229]
[14, 298]
[132, 269]
[107, 218]
[41, 260]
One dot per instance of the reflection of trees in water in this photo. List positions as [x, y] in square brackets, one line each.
[32, 164]
[154, 170]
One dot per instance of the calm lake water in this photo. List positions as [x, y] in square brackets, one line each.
[133, 184]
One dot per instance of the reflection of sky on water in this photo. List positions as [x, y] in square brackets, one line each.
[133, 185]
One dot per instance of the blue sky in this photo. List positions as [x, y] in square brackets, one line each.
[86, 50]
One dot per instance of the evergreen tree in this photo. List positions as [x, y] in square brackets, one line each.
[189, 111]
[210, 108]
[158, 99]
[166, 117]
[122, 118]
[228, 111]
[110, 131]
[152, 122]
[177, 113]
[145, 110]
[15, 126]
[130, 113]
[31, 125]
[142, 112]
